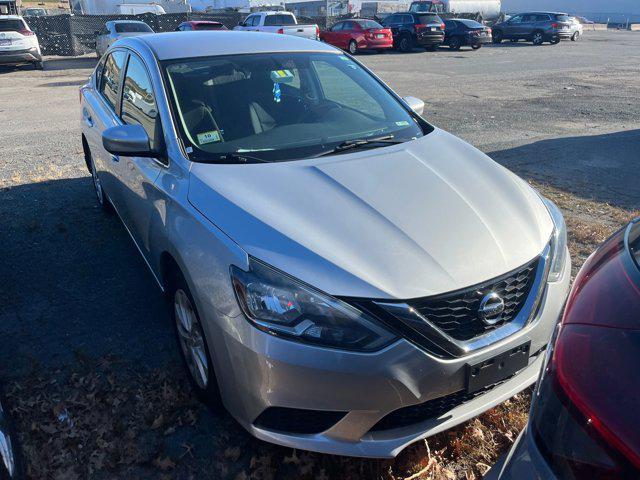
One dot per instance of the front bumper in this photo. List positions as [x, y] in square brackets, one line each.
[20, 56]
[256, 371]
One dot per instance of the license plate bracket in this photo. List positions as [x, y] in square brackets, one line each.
[498, 368]
[5, 42]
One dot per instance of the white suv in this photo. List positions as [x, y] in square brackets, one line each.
[18, 43]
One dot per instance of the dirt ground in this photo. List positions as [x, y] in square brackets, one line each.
[88, 362]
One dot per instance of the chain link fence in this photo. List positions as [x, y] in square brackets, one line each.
[70, 35]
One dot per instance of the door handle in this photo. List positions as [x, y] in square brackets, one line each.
[115, 158]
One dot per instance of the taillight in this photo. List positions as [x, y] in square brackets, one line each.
[586, 415]
[280, 31]
[555, 25]
[317, 32]
[26, 33]
[442, 26]
[420, 26]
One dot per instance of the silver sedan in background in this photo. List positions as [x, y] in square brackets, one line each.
[343, 276]
[117, 29]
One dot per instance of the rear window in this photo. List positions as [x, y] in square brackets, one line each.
[132, 27]
[563, 18]
[429, 18]
[470, 23]
[12, 25]
[273, 20]
[209, 26]
[369, 24]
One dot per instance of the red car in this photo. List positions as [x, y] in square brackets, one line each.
[354, 35]
[200, 25]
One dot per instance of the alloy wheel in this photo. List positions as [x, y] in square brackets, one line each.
[96, 184]
[353, 47]
[538, 38]
[191, 339]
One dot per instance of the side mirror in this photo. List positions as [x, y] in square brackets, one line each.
[128, 140]
[242, 24]
[414, 104]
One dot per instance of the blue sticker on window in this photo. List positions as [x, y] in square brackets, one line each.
[277, 94]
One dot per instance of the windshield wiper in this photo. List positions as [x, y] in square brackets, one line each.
[363, 142]
[235, 157]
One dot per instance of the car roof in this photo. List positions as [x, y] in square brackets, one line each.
[176, 45]
[541, 13]
[114, 22]
[201, 22]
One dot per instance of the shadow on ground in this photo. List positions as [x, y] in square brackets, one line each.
[600, 167]
[73, 283]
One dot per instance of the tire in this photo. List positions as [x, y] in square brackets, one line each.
[353, 47]
[455, 43]
[497, 36]
[381, 50]
[555, 41]
[192, 342]
[431, 48]
[575, 37]
[38, 65]
[103, 201]
[476, 47]
[405, 44]
[537, 38]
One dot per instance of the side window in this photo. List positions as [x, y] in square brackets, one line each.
[138, 102]
[271, 20]
[340, 88]
[408, 20]
[111, 77]
[337, 27]
[250, 20]
[516, 19]
[390, 19]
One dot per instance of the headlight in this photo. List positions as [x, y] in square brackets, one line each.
[558, 241]
[278, 304]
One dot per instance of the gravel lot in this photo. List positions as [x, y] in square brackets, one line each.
[87, 357]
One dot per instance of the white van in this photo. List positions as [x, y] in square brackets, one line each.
[138, 8]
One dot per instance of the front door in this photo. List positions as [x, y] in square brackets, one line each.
[140, 173]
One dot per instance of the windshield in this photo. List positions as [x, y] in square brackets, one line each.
[471, 23]
[429, 18]
[281, 106]
[132, 27]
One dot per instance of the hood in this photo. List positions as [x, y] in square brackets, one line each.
[421, 218]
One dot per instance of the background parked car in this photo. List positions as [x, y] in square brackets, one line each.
[357, 34]
[576, 29]
[18, 44]
[117, 29]
[585, 21]
[34, 12]
[586, 413]
[200, 25]
[536, 27]
[415, 29]
[460, 32]
[278, 22]
[140, 8]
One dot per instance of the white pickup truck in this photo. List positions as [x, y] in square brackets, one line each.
[278, 22]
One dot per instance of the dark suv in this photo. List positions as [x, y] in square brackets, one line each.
[536, 27]
[415, 29]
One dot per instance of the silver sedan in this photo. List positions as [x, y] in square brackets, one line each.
[343, 276]
[117, 29]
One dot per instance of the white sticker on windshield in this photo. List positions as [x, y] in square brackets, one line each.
[403, 123]
[208, 137]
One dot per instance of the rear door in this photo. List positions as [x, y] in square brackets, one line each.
[99, 113]
[139, 174]
[332, 35]
[512, 26]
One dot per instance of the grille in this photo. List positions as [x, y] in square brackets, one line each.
[435, 408]
[456, 314]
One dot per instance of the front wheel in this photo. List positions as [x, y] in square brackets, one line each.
[353, 47]
[455, 43]
[192, 342]
[575, 37]
[38, 65]
[476, 47]
[555, 41]
[97, 186]
[497, 36]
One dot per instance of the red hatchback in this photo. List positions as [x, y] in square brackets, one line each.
[357, 34]
[200, 25]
